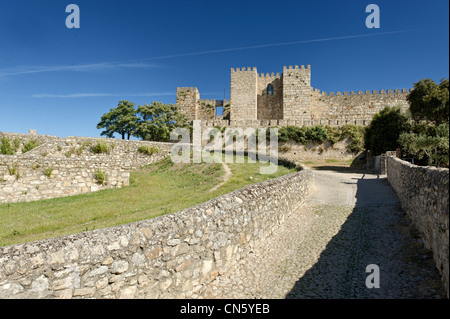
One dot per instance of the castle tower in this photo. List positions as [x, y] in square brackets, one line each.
[187, 101]
[297, 93]
[243, 94]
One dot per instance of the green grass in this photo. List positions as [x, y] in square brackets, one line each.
[160, 188]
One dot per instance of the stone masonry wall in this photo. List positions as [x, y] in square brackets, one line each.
[356, 107]
[270, 107]
[423, 192]
[297, 93]
[243, 97]
[66, 166]
[187, 101]
[170, 256]
[35, 178]
[294, 100]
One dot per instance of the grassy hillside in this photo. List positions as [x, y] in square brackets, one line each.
[158, 189]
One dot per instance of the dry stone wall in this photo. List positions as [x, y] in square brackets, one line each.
[423, 192]
[34, 178]
[67, 166]
[171, 256]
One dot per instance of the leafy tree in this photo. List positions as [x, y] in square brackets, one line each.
[384, 130]
[432, 147]
[158, 120]
[121, 119]
[429, 101]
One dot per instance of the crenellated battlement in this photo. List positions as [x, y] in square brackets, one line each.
[296, 67]
[205, 102]
[249, 69]
[267, 75]
[373, 92]
[288, 97]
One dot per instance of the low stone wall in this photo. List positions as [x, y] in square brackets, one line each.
[170, 256]
[33, 178]
[423, 192]
[25, 176]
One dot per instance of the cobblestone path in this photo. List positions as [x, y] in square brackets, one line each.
[322, 250]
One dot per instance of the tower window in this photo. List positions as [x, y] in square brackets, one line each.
[270, 89]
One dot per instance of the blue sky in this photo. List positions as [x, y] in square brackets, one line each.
[60, 81]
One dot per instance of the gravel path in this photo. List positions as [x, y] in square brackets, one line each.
[322, 250]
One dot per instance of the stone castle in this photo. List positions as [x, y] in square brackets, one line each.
[287, 99]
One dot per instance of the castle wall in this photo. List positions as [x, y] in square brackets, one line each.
[206, 109]
[187, 101]
[296, 93]
[354, 107]
[294, 101]
[270, 107]
[243, 95]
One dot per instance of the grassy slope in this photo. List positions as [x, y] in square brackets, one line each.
[161, 188]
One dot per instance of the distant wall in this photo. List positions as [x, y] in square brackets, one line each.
[294, 100]
[67, 166]
[354, 107]
[171, 256]
[34, 178]
[423, 192]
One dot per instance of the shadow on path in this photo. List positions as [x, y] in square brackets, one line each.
[376, 232]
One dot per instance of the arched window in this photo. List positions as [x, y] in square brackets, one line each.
[270, 89]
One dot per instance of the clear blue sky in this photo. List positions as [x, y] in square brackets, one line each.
[60, 81]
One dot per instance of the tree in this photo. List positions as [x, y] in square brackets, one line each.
[158, 120]
[384, 130]
[432, 147]
[121, 120]
[429, 101]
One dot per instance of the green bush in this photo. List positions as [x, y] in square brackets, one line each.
[148, 150]
[383, 132]
[428, 147]
[298, 134]
[5, 147]
[319, 134]
[101, 177]
[48, 171]
[30, 145]
[316, 134]
[100, 148]
[12, 170]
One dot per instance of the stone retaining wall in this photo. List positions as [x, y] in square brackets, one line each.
[33, 178]
[170, 256]
[67, 166]
[423, 192]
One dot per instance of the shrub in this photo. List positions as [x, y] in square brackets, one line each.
[12, 170]
[298, 134]
[100, 148]
[101, 177]
[147, 150]
[5, 147]
[429, 148]
[30, 145]
[48, 171]
[384, 130]
[316, 134]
